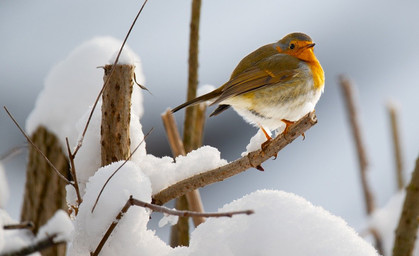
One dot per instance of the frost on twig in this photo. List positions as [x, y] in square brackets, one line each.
[253, 159]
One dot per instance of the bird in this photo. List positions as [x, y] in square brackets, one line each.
[273, 86]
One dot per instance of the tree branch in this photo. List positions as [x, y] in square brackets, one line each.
[408, 224]
[22, 225]
[36, 247]
[348, 93]
[157, 208]
[253, 159]
[392, 111]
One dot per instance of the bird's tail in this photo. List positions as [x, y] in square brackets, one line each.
[199, 99]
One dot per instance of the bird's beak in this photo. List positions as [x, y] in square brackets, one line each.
[310, 45]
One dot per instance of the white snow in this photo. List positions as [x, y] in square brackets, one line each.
[4, 187]
[12, 240]
[59, 225]
[256, 142]
[386, 219]
[126, 58]
[168, 219]
[131, 236]
[204, 89]
[163, 172]
[73, 85]
[283, 224]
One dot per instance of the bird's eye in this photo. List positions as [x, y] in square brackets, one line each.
[292, 46]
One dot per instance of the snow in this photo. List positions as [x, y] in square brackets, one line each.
[163, 172]
[256, 142]
[168, 219]
[283, 224]
[73, 85]
[11, 240]
[130, 236]
[126, 58]
[386, 219]
[4, 187]
[204, 89]
[59, 225]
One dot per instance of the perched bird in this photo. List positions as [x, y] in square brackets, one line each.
[275, 85]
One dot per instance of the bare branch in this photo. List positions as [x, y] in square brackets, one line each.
[23, 225]
[73, 173]
[253, 159]
[348, 92]
[110, 177]
[13, 152]
[162, 209]
[392, 110]
[36, 247]
[37, 149]
[408, 224]
[132, 201]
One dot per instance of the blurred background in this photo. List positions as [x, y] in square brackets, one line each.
[375, 43]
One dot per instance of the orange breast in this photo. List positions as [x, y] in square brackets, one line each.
[318, 74]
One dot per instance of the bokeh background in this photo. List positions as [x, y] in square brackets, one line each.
[373, 42]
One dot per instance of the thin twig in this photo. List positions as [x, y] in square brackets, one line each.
[36, 247]
[408, 224]
[253, 159]
[162, 209]
[12, 152]
[193, 197]
[73, 173]
[132, 201]
[392, 110]
[36, 147]
[348, 92]
[23, 225]
[79, 144]
[110, 177]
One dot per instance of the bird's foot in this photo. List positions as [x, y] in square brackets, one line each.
[266, 143]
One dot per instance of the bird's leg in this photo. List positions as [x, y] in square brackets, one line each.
[268, 139]
[287, 125]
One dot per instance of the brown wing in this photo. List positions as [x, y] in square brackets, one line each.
[271, 71]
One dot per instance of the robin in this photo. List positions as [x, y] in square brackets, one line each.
[273, 86]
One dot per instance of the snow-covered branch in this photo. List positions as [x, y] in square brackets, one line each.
[253, 159]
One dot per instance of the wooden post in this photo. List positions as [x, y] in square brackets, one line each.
[116, 114]
[44, 189]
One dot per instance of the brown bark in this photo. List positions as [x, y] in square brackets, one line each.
[44, 189]
[116, 114]
[408, 224]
